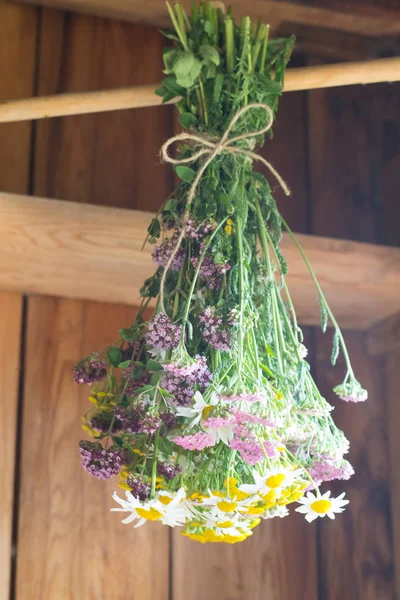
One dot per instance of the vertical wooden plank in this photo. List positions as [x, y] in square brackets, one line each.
[346, 203]
[10, 336]
[392, 378]
[17, 56]
[17, 74]
[108, 158]
[269, 564]
[70, 546]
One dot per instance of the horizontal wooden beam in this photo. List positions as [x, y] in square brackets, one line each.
[83, 251]
[303, 78]
[355, 17]
[384, 336]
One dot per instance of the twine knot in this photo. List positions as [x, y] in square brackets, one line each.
[211, 148]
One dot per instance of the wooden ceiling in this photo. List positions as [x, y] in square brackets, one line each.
[341, 29]
[365, 17]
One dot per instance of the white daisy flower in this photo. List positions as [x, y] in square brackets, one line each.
[199, 410]
[232, 526]
[276, 511]
[221, 506]
[168, 508]
[220, 429]
[318, 506]
[275, 480]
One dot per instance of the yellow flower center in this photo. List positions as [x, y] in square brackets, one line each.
[225, 524]
[230, 482]
[206, 412]
[237, 494]
[275, 480]
[255, 510]
[165, 500]
[226, 506]
[270, 497]
[150, 514]
[321, 506]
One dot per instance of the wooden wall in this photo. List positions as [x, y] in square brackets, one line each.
[58, 541]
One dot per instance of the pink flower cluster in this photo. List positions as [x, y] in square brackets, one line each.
[198, 441]
[245, 442]
[195, 231]
[213, 333]
[162, 253]
[351, 392]
[326, 468]
[209, 270]
[181, 381]
[162, 333]
[244, 417]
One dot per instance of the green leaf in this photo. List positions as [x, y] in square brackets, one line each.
[156, 378]
[124, 364]
[114, 356]
[171, 85]
[186, 68]
[335, 348]
[187, 120]
[153, 365]
[129, 334]
[165, 394]
[170, 205]
[185, 173]
[324, 314]
[208, 28]
[154, 228]
[210, 54]
[143, 389]
[169, 57]
[218, 85]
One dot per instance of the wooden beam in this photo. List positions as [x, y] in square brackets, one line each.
[92, 252]
[358, 19]
[302, 78]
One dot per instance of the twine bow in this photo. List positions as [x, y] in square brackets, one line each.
[211, 149]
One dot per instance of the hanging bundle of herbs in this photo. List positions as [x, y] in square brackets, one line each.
[208, 410]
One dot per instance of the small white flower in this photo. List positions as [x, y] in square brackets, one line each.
[319, 506]
[275, 480]
[276, 511]
[196, 411]
[302, 350]
[222, 433]
[232, 526]
[170, 509]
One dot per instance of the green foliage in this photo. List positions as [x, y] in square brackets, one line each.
[185, 173]
[114, 355]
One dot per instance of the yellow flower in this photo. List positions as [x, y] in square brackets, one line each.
[92, 432]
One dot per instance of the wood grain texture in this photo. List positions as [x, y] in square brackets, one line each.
[10, 337]
[355, 550]
[267, 565]
[359, 19]
[81, 251]
[392, 380]
[109, 159]
[384, 337]
[18, 26]
[346, 203]
[103, 101]
[70, 545]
